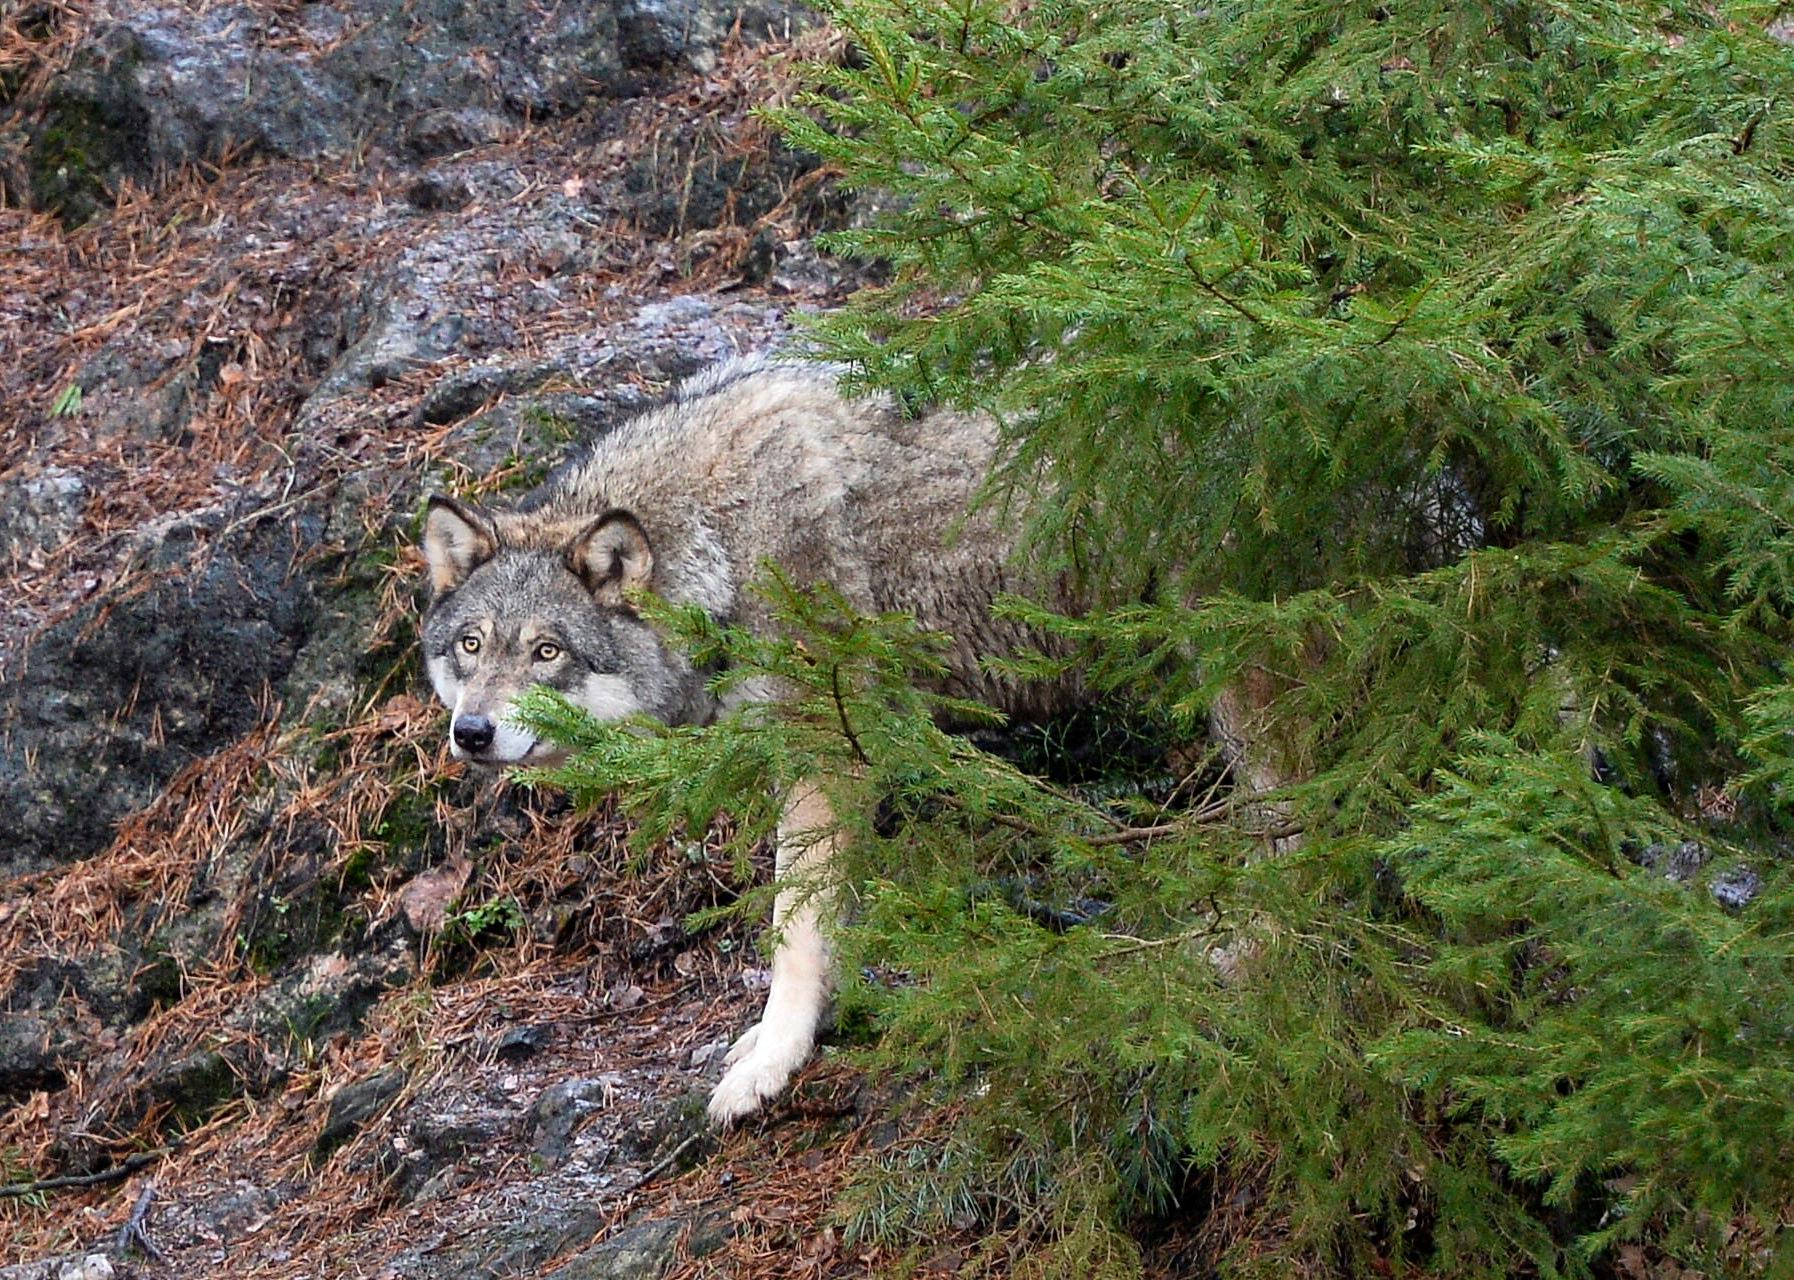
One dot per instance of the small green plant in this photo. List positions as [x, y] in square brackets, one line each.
[15, 1172]
[482, 922]
[67, 402]
[305, 1023]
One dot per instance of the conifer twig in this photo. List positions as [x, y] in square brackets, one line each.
[1209, 930]
[665, 1162]
[124, 1169]
[136, 1229]
[1204, 816]
[834, 680]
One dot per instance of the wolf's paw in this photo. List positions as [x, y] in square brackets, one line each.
[742, 1047]
[759, 1068]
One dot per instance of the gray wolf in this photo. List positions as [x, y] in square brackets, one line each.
[749, 461]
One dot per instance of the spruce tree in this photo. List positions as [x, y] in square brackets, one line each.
[1432, 366]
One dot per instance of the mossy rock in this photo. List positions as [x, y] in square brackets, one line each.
[196, 1085]
[91, 133]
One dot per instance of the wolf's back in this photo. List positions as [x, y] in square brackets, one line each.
[759, 459]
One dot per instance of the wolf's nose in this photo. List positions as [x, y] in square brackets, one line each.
[473, 733]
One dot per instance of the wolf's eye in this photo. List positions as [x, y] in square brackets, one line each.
[547, 651]
[470, 644]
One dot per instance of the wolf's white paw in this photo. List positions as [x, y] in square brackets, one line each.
[742, 1047]
[759, 1069]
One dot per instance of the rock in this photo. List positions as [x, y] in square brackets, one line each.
[662, 35]
[196, 1084]
[102, 981]
[522, 1042]
[524, 1246]
[445, 130]
[425, 899]
[424, 1160]
[162, 87]
[763, 254]
[433, 192]
[159, 86]
[461, 393]
[324, 994]
[93, 1267]
[708, 1052]
[62, 1009]
[706, 180]
[667, 1126]
[560, 1110]
[178, 670]
[406, 320]
[710, 1231]
[642, 1251]
[78, 1266]
[238, 1212]
[38, 511]
[1736, 887]
[354, 1105]
[1680, 863]
[30, 1057]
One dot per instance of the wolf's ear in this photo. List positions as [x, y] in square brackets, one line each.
[611, 556]
[457, 540]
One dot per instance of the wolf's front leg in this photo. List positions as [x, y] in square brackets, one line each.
[769, 1053]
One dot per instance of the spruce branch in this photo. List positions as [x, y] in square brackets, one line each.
[834, 676]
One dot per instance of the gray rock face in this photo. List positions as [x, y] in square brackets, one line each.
[159, 86]
[642, 1251]
[1680, 863]
[423, 1159]
[1733, 887]
[1736, 887]
[700, 182]
[58, 1008]
[74, 1266]
[31, 1055]
[526, 1246]
[117, 698]
[664, 34]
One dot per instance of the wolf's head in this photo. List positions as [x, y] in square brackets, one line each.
[520, 600]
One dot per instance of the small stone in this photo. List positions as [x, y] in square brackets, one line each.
[93, 1267]
[561, 1109]
[440, 1184]
[1680, 862]
[1736, 887]
[523, 1042]
[355, 1104]
[705, 1054]
[433, 193]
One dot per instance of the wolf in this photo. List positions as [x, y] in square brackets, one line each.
[755, 459]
